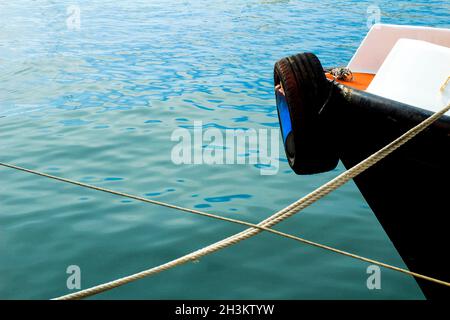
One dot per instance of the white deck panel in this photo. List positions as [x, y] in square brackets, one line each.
[381, 39]
[413, 73]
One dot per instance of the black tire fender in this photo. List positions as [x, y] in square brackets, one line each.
[308, 145]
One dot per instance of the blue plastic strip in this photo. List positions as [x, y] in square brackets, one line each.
[285, 116]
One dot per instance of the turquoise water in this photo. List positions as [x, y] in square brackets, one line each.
[99, 105]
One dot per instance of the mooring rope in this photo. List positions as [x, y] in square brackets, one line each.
[123, 194]
[222, 244]
[444, 85]
[265, 224]
[275, 218]
[236, 221]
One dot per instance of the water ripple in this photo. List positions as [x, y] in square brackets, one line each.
[99, 105]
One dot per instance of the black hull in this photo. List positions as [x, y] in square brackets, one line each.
[408, 190]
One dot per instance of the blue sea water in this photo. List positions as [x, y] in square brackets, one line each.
[99, 103]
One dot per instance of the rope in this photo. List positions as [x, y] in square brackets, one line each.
[275, 218]
[126, 195]
[240, 222]
[220, 245]
[236, 221]
[445, 84]
[340, 73]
